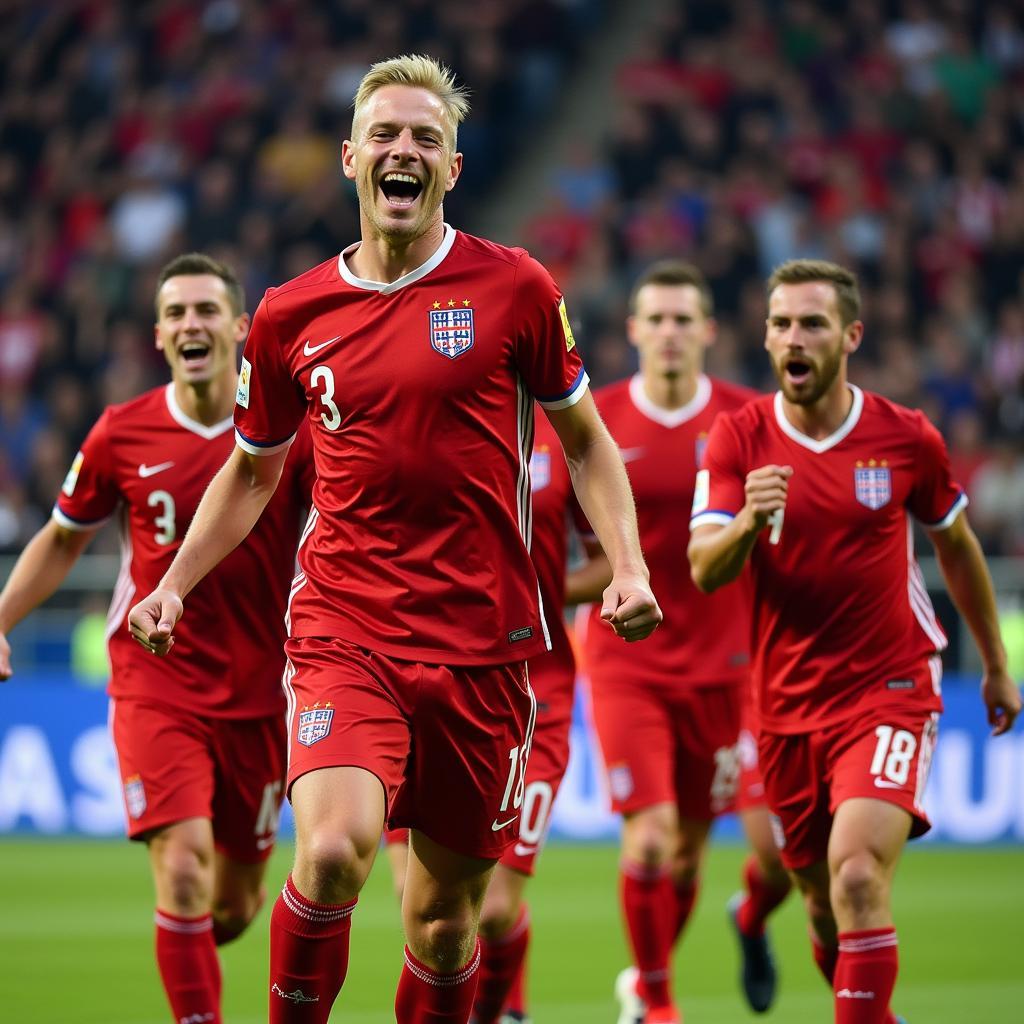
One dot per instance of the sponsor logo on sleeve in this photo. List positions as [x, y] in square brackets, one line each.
[570, 341]
[68, 487]
[244, 379]
[701, 492]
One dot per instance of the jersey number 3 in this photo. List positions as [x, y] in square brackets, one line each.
[324, 376]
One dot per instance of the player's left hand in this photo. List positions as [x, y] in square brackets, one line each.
[630, 607]
[1002, 699]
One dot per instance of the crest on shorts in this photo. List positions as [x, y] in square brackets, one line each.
[451, 329]
[872, 483]
[620, 781]
[134, 796]
[315, 723]
[540, 467]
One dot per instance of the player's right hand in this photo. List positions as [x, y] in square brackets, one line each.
[765, 491]
[5, 659]
[153, 619]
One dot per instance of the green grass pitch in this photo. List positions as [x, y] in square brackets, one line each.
[76, 941]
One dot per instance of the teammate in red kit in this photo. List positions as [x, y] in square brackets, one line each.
[817, 487]
[200, 740]
[505, 918]
[415, 356]
[668, 715]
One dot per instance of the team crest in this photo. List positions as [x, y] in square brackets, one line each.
[620, 781]
[872, 484]
[451, 331]
[314, 723]
[134, 796]
[540, 468]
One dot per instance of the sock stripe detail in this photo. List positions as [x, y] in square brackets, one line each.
[868, 944]
[183, 925]
[301, 907]
[429, 977]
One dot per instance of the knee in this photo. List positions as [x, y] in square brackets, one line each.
[335, 863]
[650, 840]
[499, 915]
[232, 915]
[443, 943]
[858, 882]
[185, 876]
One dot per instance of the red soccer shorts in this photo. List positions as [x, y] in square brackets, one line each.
[884, 754]
[664, 744]
[549, 756]
[448, 744]
[750, 790]
[176, 765]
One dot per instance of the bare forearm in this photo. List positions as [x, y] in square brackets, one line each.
[39, 571]
[718, 554]
[230, 508]
[970, 586]
[602, 487]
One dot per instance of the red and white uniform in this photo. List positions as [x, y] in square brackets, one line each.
[148, 463]
[667, 711]
[420, 399]
[845, 629]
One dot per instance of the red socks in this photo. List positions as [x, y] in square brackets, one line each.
[308, 957]
[865, 975]
[501, 962]
[426, 997]
[187, 959]
[761, 899]
[649, 906]
[516, 1000]
[686, 896]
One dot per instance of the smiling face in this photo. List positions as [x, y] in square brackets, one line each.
[197, 330]
[670, 330]
[807, 342]
[401, 159]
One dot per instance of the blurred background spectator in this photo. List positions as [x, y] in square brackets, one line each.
[887, 134]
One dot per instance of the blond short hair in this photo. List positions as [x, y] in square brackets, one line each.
[420, 72]
[842, 280]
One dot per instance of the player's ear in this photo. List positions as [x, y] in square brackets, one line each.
[631, 330]
[348, 159]
[853, 334]
[454, 170]
[157, 340]
[711, 334]
[242, 322]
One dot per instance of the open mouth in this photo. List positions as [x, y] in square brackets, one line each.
[194, 352]
[798, 371]
[401, 190]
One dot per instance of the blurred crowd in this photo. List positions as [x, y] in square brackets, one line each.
[887, 135]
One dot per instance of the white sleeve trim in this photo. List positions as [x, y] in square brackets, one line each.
[74, 524]
[711, 519]
[258, 449]
[570, 399]
[951, 516]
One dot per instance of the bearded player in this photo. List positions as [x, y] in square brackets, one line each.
[200, 739]
[817, 487]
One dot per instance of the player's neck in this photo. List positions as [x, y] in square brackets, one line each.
[209, 402]
[382, 259]
[669, 392]
[824, 417]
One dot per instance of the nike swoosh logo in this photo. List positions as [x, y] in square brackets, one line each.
[308, 350]
[631, 454]
[145, 470]
[886, 784]
[497, 826]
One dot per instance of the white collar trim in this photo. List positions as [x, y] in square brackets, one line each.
[183, 420]
[852, 419]
[386, 288]
[670, 417]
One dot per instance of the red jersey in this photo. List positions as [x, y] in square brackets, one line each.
[553, 502]
[841, 616]
[704, 639]
[420, 399]
[148, 462]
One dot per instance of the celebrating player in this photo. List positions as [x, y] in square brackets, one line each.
[200, 739]
[668, 716]
[816, 487]
[415, 355]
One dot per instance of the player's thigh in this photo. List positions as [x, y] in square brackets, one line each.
[636, 734]
[166, 765]
[707, 768]
[866, 826]
[885, 756]
[797, 792]
[251, 761]
[503, 902]
[466, 777]
[348, 707]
